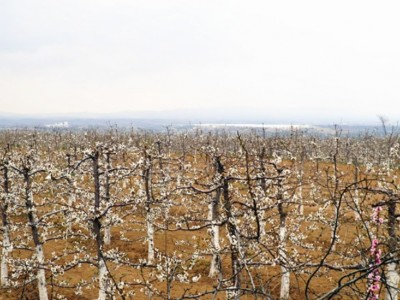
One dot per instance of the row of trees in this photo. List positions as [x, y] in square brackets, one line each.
[121, 214]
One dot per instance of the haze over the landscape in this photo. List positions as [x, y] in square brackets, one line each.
[271, 61]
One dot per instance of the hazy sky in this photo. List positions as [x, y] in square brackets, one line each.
[339, 59]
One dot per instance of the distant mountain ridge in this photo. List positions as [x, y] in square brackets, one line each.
[205, 115]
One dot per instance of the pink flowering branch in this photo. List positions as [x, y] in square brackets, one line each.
[374, 278]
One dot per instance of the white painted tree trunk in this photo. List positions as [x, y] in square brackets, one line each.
[149, 213]
[285, 279]
[392, 273]
[71, 200]
[33, 219]
[300, 196]
[215, 268]
[215, 261]
[107, 186]
[4, 257]
[263, 224]
[6, 231]
[356, 196]
[392, 282]
[41, 275]
[107, 235]
[300, 192]
[103, 281]
[356, 211]
[150, 237]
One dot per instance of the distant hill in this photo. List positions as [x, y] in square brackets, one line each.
[183, 119]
